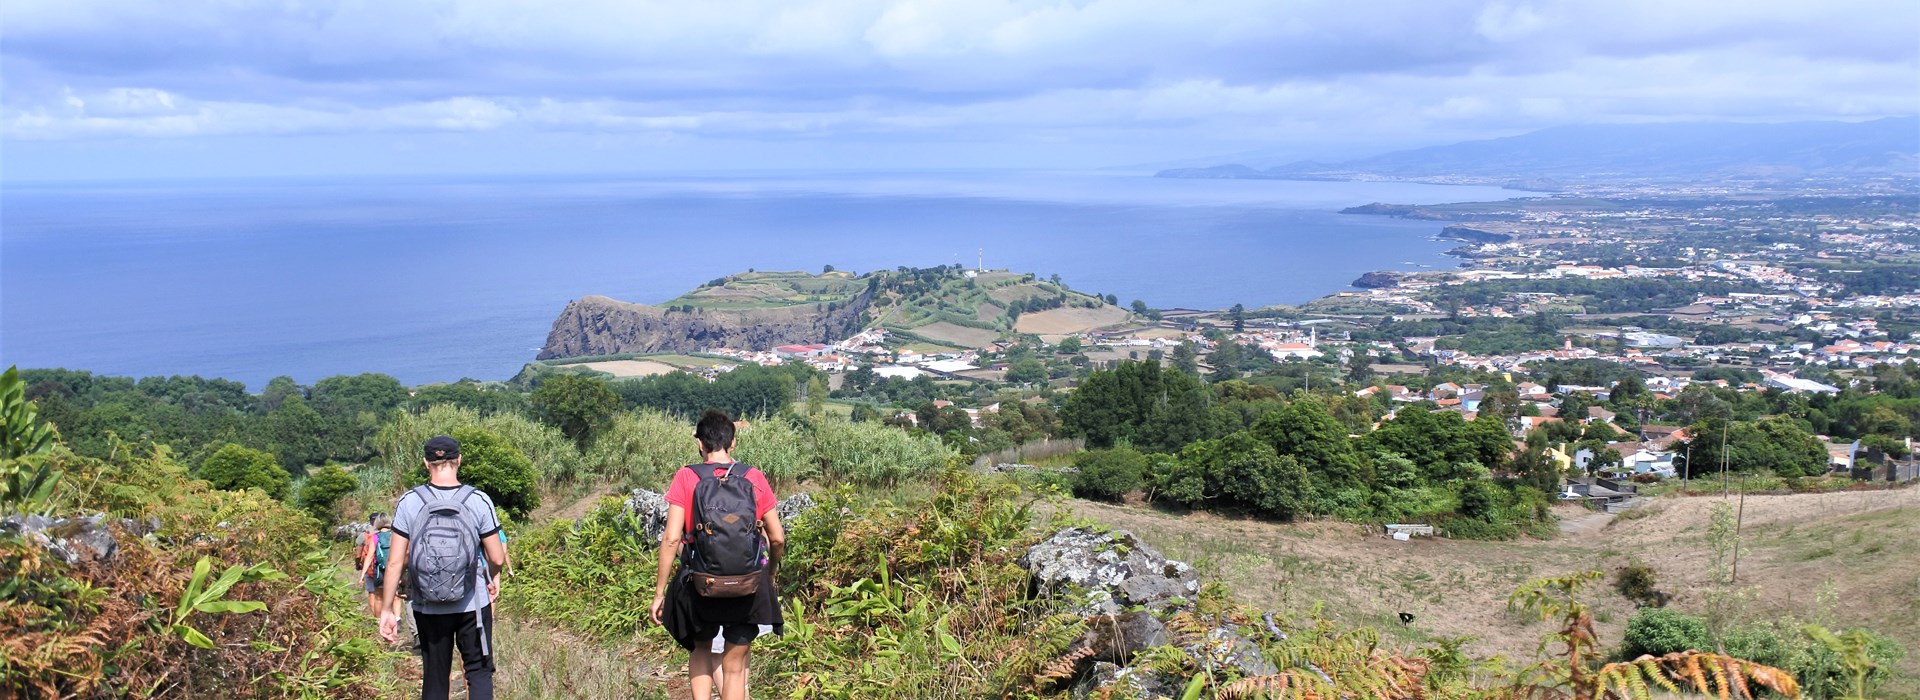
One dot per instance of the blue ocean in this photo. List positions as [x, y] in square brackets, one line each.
[438, 279]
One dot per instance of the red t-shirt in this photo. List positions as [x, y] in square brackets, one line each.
[680, 492]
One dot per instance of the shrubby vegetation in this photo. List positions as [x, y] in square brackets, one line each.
[1237, 446]
[551, 455]
[237, 468]
[229, 593]
[1784, 644]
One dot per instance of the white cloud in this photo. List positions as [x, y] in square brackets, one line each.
[1143, 73]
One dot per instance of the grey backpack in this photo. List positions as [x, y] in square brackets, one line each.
[443, 556]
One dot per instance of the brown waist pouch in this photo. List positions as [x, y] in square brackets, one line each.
[717, 586]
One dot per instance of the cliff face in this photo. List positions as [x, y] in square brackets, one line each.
[598, 325]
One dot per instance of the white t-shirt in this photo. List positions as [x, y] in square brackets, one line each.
[479, 514]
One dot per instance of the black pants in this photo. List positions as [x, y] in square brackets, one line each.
[439, 634]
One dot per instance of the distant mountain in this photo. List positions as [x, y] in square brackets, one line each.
[1542, 159]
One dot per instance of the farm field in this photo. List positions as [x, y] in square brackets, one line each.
[1065, 321]
[628, 369]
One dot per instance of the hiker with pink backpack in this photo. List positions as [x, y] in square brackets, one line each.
[723, 513]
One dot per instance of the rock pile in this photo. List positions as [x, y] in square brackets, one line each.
[1107, 572]
[1126, 588]
[74, 540]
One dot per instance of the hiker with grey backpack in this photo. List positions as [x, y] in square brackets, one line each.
[445, 535]
[723, 512]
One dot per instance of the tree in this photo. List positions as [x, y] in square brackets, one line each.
[1479, 499]
[1360, 366]
[237, 468]
[1502, 404]
[1028, 371]
[1069, 345]
[1113, 300]
[1186, 359]
[1138, 403]
[944, 419]
[323, 489]
[1238, 314]
[468, 393]
[278, 389]
[1492, 445]
[1535, 468]
[1777, 445]
[493, 464]
[1573, 407]
[579, 406]
[816, 396]
[1226, 360]
[1305, 431]
[1240, 470]
[302, 437]
[361, 393]
[1140, 308]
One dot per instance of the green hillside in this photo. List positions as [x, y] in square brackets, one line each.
[943, 306]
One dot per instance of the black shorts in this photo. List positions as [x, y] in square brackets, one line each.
[736, 635]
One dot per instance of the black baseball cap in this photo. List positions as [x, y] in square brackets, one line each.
[442, 448]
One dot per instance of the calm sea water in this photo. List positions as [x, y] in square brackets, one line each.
[434, 280]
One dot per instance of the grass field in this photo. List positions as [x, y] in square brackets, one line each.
[958, 335]
[1064, 321]
[628, 369]
[1862, 546]
[690, 361]
[761, 290]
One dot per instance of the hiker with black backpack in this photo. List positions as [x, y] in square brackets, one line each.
[444, 534]
[723, 511]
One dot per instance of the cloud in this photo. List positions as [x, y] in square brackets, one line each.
[1144, 72]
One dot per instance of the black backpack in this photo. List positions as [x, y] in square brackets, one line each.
[727, 553]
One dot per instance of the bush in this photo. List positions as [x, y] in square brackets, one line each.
[779, 448]
[1108, 474]
[398, 446]
[579, 406]
[1659, 631]
[96, 632]
[876, 454]
[1820, 670]
[492, 464]
[323, 489]
[1635, 582]
[236, 468]
[643, 448]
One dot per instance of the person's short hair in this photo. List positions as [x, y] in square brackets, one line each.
[381, 521]
[714, 431]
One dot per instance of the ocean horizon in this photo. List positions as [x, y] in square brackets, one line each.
[435, 279]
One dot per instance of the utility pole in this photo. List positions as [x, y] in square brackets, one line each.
[1686, 477]
[1740, 515]
[1724, 484]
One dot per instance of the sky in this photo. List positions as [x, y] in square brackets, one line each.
[116, 89]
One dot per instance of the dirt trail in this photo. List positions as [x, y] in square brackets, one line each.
[1578, 523]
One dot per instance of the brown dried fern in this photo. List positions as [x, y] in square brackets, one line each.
[1730, 677]
[1064, 667]
[1286, 685]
